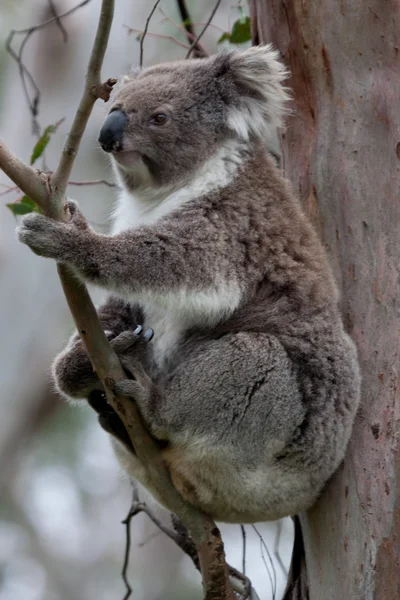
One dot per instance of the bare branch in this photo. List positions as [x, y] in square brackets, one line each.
[28, 179]
[10, 188]
[192, 47]
[263, 546]
[210, 26]
[89, 182]
[93, 89]
[94, 182]
[58, 20]
[243, 530]
[145, 31]
[198, 49]
[276, 548]
[156, 35]
[182, 538]
[127, 523]
[25, 74]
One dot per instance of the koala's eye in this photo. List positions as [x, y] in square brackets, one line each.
[159, 119]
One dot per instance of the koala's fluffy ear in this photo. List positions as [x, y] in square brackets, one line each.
[260, 103]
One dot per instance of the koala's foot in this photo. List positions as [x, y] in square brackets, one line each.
[146, 395]
[139, 388]
[108, 418]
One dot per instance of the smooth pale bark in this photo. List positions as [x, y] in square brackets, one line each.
[342, 154]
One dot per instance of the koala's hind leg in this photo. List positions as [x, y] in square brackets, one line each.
[230, 407]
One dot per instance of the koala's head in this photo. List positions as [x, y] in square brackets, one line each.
[169, 119]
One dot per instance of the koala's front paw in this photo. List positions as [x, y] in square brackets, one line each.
[44, 236]
[54, 239]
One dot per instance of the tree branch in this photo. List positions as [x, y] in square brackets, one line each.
[145, 31]
[59, 22]
[198, 50]
[181, 537]
[201, 51]
[48, 191]
[25, 74]
[30, 180]
[156, 35]
[93, 89]
[196, 41]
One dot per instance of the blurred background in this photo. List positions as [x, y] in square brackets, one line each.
[62, 495]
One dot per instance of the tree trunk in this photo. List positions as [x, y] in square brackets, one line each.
[342, 153]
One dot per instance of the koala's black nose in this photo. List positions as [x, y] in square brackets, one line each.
[112, 130]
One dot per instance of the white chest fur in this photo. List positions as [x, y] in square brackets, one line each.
[176, 312]
[171, 314]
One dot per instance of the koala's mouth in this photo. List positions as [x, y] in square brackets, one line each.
[126, 158]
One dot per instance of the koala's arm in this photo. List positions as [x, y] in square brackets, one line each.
[188, 253]
[72, 370]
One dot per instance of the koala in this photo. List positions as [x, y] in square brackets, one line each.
[250, 383]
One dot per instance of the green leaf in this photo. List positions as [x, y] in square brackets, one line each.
[24, 206]
[44, 139]
[224, 36]
[241, 31]
[26, 200]
[20, 208]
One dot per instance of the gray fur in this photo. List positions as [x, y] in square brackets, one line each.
[250, 380]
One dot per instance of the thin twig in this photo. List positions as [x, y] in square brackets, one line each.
[94, 182]
[264, 545]
[59, 22]
[145, 31]
[156, 35]
[276, 548]
[181, 537]
[149, 538]
[25, 74]
[13, 188]
[210, 25]
[92, 91]
[52, 20]
[243, 530]
[127, 523]
[204, 29]
[198, 49]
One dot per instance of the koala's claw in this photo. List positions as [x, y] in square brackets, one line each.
[128, 338]
[76, 217]
[148, 335]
